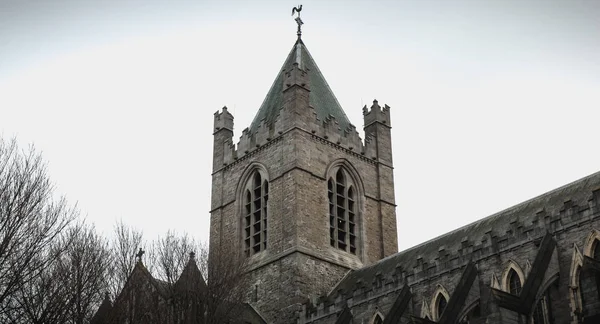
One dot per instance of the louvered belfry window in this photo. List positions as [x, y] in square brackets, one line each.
[342, 212]
[255, 214]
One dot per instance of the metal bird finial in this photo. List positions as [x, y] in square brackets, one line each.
[298, 20]
[297, 9]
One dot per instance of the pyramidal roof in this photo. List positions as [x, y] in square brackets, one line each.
[321, 98]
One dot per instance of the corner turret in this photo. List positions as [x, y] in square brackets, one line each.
[223, 120]
[377, 114]
[378, 126]
[223, 134]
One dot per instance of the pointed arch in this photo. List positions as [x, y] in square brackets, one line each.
[252, 194]
[542, 311]
[345, 193]
[576, 262]
[575, 297]
[425, 312]
[470, 312]
[439, 302]
[377, 318]
[352, 171]
[591, 246]
[511, 270]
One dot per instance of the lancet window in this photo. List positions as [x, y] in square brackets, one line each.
[441, 304]
[342, 212]
[542, 313]
[596, 248]
[256, 196]
[378, 319]
[514, 282]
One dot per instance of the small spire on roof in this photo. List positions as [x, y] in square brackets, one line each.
[298, 20]
[140, 254]
[192, 255]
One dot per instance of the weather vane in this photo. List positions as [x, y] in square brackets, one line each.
[298, 20]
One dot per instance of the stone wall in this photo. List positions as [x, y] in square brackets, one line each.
[569, 214]
[299, 262]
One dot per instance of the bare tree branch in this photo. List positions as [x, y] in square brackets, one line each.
[30, 221]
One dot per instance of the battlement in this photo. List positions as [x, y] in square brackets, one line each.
[556, 212]
[223, 120]
[377, 114]
[327, 130]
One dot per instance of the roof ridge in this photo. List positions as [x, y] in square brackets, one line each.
[504, 211]
[584, 179]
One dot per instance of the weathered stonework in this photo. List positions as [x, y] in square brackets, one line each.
[299, 135]
[297, 151]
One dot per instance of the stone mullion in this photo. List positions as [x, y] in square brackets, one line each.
[346, 218]
[264, 211]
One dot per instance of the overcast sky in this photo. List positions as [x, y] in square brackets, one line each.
[493, 102]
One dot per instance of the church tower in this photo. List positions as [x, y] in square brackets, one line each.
[301, 197]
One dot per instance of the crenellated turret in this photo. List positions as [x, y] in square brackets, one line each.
[223, 149]
[378, 125]
[378, 146]
[298, 143]
[377, 114]
[223, 119]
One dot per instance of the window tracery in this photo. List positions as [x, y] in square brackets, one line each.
[255, 214]
[342, 211]
[542, 312]
[512, 278]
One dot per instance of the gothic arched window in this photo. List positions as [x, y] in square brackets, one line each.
[542, 312]
[255, 214]
[596, 248]
[441, 304]
[473, 314]
[378, 319]
[342, 211]
[514, 282]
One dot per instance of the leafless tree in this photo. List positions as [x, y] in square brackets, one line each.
[72, 287]
[124, 245]
[197, 291]
[31, 219]
[227, 286]
[86, 265]
[169, 255]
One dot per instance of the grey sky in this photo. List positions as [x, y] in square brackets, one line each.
[493, 102]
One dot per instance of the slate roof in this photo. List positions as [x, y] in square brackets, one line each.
[321, 97]
[551, 202]
[103, 311]
[191, 278]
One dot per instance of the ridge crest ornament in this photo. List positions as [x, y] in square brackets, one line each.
[298, 19]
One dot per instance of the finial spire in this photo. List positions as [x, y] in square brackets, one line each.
[298, 20]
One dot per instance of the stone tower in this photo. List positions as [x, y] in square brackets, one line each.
[301, 196]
